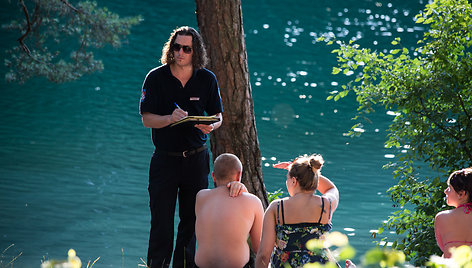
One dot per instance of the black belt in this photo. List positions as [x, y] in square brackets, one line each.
[185, 153]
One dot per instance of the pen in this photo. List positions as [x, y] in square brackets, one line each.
[177, 106]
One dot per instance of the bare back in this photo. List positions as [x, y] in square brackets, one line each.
[453, 229]
[314, 210]
[223, 225]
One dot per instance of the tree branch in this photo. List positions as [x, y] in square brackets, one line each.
[456, 137]
[463, 107]
[28, 29]
[70, 6]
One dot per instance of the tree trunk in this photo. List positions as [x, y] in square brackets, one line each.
[220, 24]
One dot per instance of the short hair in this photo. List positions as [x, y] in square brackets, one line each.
[461, 180]
[226, 166]
[306, 170]
[199, 58]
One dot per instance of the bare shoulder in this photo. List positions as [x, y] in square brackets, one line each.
[443, 214]
[251, 198]
[203, 193]
[273, 204]
[442, 217]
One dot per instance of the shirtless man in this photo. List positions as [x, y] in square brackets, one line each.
[225, 222]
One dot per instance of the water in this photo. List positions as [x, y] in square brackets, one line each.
[74, 157]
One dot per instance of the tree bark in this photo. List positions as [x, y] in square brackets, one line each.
[221, 26]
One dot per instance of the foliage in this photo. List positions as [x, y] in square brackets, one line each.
[337, 246]
[274, 195]
[5, 260]
[373, 258]
[429, 91]
[382, 257]
[461, 258]
[47, 30]
[73, 261]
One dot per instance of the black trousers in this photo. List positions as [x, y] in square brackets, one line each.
[172, 177]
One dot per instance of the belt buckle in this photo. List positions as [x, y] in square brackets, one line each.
[184, 153]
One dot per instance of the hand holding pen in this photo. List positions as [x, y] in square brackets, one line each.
[177, 114]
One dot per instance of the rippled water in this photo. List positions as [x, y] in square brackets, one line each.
[74, 157]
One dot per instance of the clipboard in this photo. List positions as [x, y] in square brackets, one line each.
[192, 120]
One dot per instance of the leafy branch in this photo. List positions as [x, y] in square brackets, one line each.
[48, 29]
[431, 96]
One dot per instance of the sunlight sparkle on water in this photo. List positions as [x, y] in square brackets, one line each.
[382, 243]
[303, 73]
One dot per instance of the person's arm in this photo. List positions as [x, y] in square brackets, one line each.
[268, 237]
[151, 120]
[282, 165]
[256, 230]
[209, 128]
[236, 188]
[329, 190]
[438, 229]
[199, 200]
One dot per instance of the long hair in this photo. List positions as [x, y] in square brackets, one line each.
[199, 58]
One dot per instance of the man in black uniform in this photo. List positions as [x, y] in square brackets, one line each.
[180, 164]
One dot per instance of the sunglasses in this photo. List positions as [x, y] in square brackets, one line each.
[187, 50]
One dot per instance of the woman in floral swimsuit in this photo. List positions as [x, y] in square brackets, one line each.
[453, 227]
[290, 222]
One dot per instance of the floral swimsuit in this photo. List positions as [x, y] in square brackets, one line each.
[291, 240]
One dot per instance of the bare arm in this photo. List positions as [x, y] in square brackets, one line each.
[159, 121]
[329, 190]
[268, 237]
[209, 128]
[236, 188]
[256, 230]
[199, 199]
[438, 229]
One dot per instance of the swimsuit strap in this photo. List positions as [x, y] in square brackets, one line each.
[278, 205]
[467, 207]
[322, 209]
[283, 216]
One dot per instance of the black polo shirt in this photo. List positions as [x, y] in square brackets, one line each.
[200, 96]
